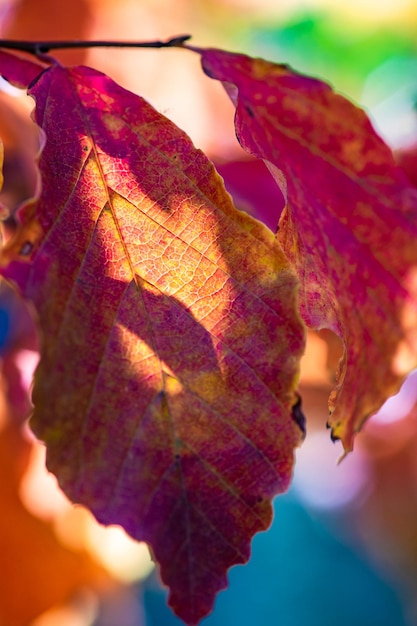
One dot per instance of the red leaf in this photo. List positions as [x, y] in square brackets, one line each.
[349, 229]
[253, 189]
[171, 337]
[19, 71]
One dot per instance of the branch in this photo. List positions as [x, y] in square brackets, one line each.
[38, 48]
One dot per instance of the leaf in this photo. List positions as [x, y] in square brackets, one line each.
[19, 71]
[349, 228]
[171, 335]
[253, 189]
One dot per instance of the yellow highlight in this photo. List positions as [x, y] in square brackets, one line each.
[126, 559]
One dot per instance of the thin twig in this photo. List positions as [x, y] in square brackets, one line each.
[42, 47]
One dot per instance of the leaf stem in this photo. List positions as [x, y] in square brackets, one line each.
[39, 48]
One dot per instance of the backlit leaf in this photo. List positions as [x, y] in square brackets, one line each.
[349, 228]
[170, 330]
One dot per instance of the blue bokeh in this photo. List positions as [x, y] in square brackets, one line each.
[4, 328]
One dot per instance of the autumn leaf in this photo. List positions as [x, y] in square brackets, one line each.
[253, 189]
[349, 227]
[170, 330]
[19, 70]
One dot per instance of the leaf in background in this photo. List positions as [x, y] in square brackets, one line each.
[19, 70]
[349, 229]
[171, 335]
[253, 189]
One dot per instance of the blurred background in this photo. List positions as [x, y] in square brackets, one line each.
[343, 545]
